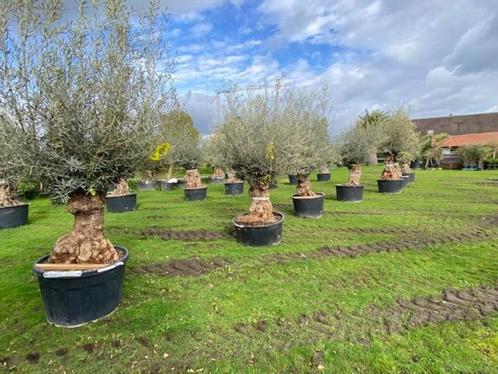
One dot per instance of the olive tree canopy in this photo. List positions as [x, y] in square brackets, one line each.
[401, 138]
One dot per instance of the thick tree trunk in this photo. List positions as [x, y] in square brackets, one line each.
[7, 194]
[261, 209]
[121, 189]
[354, 175]
[406, 168]
[193, 179]
[218, 173]
[170, 171]
[86, 242]
[391, 171]
[303, 187]
[231, 177]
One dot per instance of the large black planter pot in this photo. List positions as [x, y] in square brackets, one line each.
[415, 164]
[193, 194]
[74, 298]
[166, 186]
[308, 206]
[13, 216]
[323, 177]
[390, 186]
[273, 184]
[216, 180]
[147, 186]
[411, 176]
[293, 179]
[261, 235]
[120, 204]
[406, 180]
[180, 184]
[345, 192]
[234, 188]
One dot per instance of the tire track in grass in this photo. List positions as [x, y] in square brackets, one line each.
[196, 266]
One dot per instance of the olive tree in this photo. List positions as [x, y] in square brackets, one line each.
[252, 134]
[213, 155]
[401, 142]
[101, 93]
[185, 141]
[356, 147]
[304, 123]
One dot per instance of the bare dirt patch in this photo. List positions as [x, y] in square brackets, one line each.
[185, 267]
[191, 235]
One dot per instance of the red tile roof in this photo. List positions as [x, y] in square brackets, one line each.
[484, 138]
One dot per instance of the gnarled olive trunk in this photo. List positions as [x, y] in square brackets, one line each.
[303, 187]
[354, 175]
[121, 189]
[7, 194]
[231, 177]
[86, 242]
[193, 179]
[218, 173]
[391, 171]
[261, 209]
[324, 169]
[406, 168]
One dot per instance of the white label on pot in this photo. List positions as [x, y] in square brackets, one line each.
[110, 267]
[62, 274]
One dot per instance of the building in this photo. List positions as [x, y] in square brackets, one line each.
[470, 129]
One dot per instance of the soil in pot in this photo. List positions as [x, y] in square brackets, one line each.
[308, 206]
[13, 215]
[120, 204]
[260, 234]
[76, 297]
[194, 194]
[147, 185]
[390, 185]
[293, 179]
[346, 192]
[235, 188]
[323, 177]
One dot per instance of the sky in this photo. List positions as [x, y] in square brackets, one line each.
[434, 57]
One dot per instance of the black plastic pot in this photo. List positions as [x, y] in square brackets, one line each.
[119, 204]
[415, 164]
[293, 179]
[406, 180]
[345, 192]
[166, 186]
[411, 176]
[180, 184]
[308, 207]
[390, 186]
[261, 235]
[216, 180]
[74, 298]
[234, 188]
[147, 186]
[193, 194]
[13, 216]
[323, 177]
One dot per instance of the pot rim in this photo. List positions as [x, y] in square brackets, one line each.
[349, 186]
[14, 206]
[389, 180]
[317, 196]
[275, 213]
[116, 196]
[324, 173]
[241, 182]
[81, 273]
[196, 188]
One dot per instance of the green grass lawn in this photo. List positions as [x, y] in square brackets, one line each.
[296, 307]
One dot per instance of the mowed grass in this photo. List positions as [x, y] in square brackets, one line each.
[193, 323]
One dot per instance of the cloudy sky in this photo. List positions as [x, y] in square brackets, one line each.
[435, 57]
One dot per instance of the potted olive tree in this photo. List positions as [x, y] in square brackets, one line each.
[356, 147]
[186, 151]
[252, 131]
[101, 94]
[13, 212]
[305, 126]
[400, 138]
